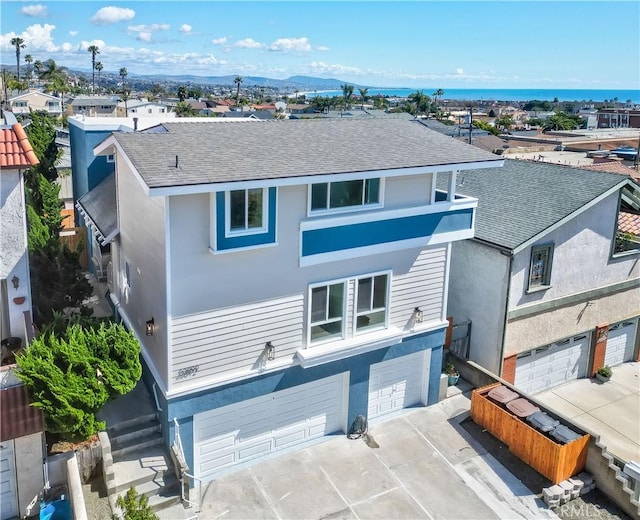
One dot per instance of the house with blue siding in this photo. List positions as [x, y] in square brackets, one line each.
[285, 277]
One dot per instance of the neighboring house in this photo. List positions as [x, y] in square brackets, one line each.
[36, 101]
[285, 278]
[135, 107]
[548, 274]
[21, 425]
[618, 118]
[93, 106]
[299, 108]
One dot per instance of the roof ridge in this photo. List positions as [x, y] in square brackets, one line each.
[24, 143]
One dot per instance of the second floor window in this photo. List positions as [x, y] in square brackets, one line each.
[246, 210]
[345, 194]
[540, 269]
[371, 306]
[327, 312]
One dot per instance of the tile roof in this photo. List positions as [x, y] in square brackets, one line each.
[629, 223]
[17, 416]
[15, 148]
[523, 199]
[614, 167]
[217, 153]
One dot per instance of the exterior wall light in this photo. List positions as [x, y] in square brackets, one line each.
[151, 327]
[417, 315]
[270, 351]
[15, 281]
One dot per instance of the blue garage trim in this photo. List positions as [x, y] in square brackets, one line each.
[338, 238]
[255, 239]
[184, 408]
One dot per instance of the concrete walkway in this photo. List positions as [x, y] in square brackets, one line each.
[611, 409]
[426, 466]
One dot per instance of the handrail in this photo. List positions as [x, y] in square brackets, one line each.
[193, 503]
[178, 444]
[155, 395]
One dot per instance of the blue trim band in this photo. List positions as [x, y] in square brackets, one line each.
[338, 238]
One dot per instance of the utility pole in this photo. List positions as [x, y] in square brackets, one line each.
[470, 123]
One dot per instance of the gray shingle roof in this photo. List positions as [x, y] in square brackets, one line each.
[217, 153]
[522, 199]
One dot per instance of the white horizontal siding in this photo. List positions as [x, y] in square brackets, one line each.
[232, 339]
[421, 286]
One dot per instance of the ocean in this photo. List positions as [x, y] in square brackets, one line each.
[501, 94]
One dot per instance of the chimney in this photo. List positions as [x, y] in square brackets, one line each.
[135, 124]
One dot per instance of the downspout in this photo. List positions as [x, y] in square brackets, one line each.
[506, 311]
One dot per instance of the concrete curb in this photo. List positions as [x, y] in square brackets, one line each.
[75, 489]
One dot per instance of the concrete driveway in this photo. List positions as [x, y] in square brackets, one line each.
[426, 466]
[610, 410]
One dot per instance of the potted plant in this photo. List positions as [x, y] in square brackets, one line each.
[604, 373]
[452, 374]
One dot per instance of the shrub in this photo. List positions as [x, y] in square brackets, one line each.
[605, 371]
[135, 507]
[70, 376]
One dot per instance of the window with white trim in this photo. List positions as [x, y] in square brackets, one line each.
[327, 312]
[371, 302]
[246, 211]
[127, 274]
[345, 194]
[540, 268]
[111, 158]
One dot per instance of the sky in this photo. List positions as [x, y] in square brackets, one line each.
[452, 44]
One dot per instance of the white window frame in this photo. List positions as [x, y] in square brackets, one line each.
[345, 294]
[111, 158]
[126, 274]
[345, 209]
[546, 279]
[228, 232]
[357, 314]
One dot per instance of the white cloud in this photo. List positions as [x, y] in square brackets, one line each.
[219, 41]
[145, 32]
[112, 14]
[34, 10]
[185, 28]
[290, 44]
[460, 72]
[37, 37]
[248, 43]
[322, 48]
[73, 33]
[320, 67]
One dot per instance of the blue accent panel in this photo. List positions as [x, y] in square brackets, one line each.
[351, 236]
[434, 375]
[269, 237]
[358, 392]
[87, 170]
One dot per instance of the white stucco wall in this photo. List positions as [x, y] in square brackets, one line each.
[14, 259]
[581, 258]
[477, 289]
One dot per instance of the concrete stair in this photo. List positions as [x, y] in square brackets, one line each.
[137, 458]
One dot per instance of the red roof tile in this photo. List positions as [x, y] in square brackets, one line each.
[629, 223]
[15, 148]
[17, 416]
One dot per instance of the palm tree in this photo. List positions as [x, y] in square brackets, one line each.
[99, 68]
[94, 50]
[182, 93]
[363, 94]
[18, 43]
[28, 59]
[437, 94]
[125, 94]
[237, 81]
[420, 101]
[347, 92]
[49, 70]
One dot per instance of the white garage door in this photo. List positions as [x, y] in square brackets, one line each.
[620, 343]
[8, 490]
[254, 428]
[398, 383]
[545, 367]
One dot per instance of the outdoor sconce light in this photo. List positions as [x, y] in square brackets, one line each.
[15, 281]
[417, 315]
[151, 327]
[270, 351]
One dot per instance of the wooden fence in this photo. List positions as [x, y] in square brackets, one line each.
[72, 238]
[555, 461]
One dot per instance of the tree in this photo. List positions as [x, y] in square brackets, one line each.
[18, 43]
[347, 93]
[28, 59]
[504, 122]
[135, 507]
[364, 95]
[125, 93]
[50, 70]
[420, 102]
[72, 375]
[237, 81]
[436, 96]
[182, 93]
[94, 50]
[184, 109]
[99, 68]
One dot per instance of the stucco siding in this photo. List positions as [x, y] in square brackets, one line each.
[142, 243]
[547, 327]
[581, 258]
[477, 287]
